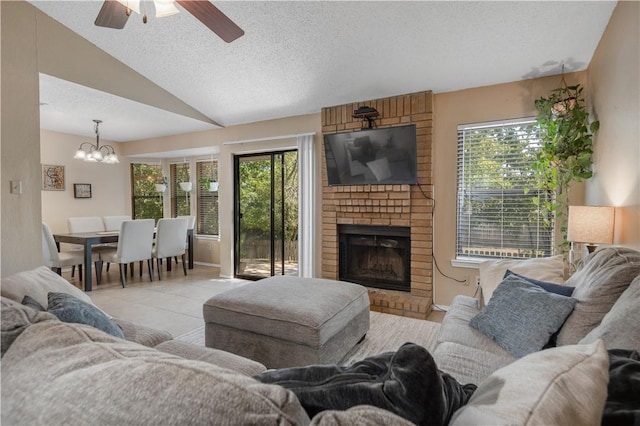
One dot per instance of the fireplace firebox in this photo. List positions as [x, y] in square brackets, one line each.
[375, 256]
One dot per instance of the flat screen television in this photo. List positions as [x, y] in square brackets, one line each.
[372, 157]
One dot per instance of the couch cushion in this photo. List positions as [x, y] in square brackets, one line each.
[521, 317]
[15, 318]
[468, 364]
[217, 357]
[68, 308]
[604, 275]
[146, 336]
[558, 386]
[549, 269]
[620, 327]
[455, 326]
[61, 374]
[361, 415]
[37, 284]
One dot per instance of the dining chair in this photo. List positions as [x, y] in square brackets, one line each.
[191, 223]
[85, 224]
[57, 260]
[170, 237]
[134, 245]
[112, 223]
[88, 224]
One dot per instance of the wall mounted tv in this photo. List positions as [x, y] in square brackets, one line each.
[372, 157]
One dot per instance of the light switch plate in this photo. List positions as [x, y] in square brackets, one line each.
[16, 187]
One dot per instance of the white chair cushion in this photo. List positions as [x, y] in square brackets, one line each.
[134, 243]
[85, 224]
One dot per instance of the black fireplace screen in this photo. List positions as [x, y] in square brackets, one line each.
[376, 256]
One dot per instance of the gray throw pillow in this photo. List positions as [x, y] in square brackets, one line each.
[521, 317]
[15, 318]
[32, 303]
[71, 309]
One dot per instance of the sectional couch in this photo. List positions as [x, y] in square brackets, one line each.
[56, 372]
[562, 385]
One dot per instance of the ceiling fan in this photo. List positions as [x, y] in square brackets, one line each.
[115, 13]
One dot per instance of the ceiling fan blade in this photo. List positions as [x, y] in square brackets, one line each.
[112, 15]
[213, 18]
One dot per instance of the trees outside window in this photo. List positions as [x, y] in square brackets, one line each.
[145, 201]
[179, 198]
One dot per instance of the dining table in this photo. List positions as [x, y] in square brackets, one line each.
[89, 239]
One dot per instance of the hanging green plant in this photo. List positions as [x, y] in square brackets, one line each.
[566, 154]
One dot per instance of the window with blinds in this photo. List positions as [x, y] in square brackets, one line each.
[145, 201]
[179, 198]
[498, 203]
[207, 217]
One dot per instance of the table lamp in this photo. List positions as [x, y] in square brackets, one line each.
[590, 225]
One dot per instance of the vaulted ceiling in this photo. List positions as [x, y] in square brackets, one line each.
[297, 57]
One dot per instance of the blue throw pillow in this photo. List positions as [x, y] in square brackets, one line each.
[563, 290]
[521, 317]
[68, 308]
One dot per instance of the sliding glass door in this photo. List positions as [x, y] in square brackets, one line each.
[266, 200]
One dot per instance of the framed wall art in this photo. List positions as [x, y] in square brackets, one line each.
[82, 190]
[52, 177]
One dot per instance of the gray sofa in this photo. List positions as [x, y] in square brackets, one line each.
[566, 384]
[60, 373]
[607, 287]
[56, 373]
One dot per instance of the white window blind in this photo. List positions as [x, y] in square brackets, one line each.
[179, 198]
[207, 218]
[497, 215]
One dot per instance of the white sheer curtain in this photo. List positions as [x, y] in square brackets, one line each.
[307, 205]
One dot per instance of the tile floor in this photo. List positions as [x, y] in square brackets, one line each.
[173, 304]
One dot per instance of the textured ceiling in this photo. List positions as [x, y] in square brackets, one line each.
[297, 57]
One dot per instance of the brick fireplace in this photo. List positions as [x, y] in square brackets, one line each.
[385, 206]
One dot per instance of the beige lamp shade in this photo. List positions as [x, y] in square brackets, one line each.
[591, 224]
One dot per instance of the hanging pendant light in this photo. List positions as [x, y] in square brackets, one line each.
[96, 153]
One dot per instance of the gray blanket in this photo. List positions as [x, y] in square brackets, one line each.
[407, 383]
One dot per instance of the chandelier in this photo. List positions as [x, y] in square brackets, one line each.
[96, 153]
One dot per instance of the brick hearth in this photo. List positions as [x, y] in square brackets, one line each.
[390, 205]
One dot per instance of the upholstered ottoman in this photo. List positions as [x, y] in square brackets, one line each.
[288, 321]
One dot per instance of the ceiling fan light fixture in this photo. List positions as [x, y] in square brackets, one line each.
[165, 8]
[131, 4]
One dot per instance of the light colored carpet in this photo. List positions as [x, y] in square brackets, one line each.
[386, 333]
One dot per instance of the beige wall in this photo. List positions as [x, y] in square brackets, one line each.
[110, 183]
[614, 86]
[613, 92]
[20, 140]
[491, 103]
